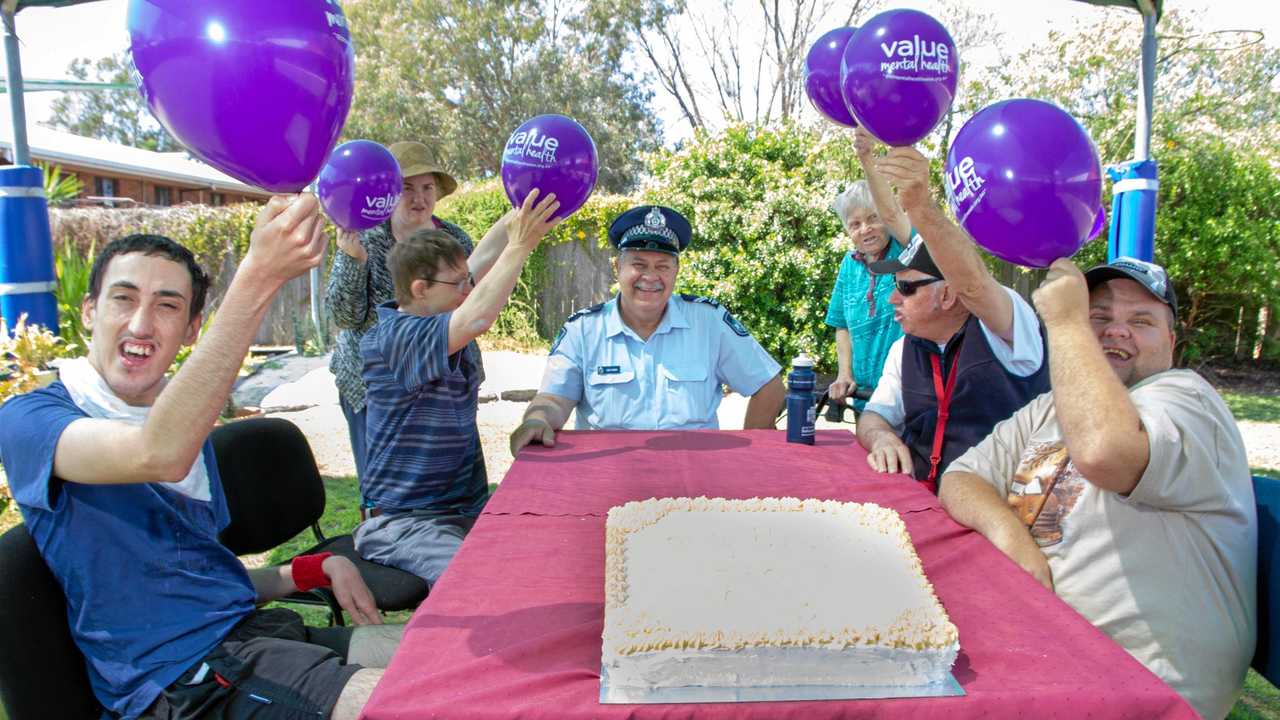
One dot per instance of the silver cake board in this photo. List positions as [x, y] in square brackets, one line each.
[624, 695]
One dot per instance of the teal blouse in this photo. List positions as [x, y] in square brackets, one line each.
[860, 304]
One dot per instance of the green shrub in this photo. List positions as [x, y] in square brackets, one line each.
[211, 233]
[26, 354]
[59, 187]
[1218, 235]
[73, 267]
[766, 243]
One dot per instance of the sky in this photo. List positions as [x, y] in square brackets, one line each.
[51, 38]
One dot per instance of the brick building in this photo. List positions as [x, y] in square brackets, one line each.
[127, 176]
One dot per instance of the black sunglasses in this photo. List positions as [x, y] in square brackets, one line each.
[907, 288]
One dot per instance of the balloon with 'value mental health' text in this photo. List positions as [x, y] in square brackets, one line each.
[898, 75]
[360, 185]
[554, 154]
[1024, 179]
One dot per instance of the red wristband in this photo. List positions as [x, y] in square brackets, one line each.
[308, 573]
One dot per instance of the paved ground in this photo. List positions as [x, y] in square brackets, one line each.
[306, 388]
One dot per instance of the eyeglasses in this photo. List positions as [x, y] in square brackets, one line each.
[907, 288]
[460, 285]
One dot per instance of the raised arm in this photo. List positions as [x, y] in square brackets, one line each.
[949, 245]
[481, 260]
[288, 240]
[1113, 454]
[546, 414]
[524, 231]
[347, 294]
[891, 213]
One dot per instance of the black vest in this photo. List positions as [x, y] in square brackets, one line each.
[985, 393]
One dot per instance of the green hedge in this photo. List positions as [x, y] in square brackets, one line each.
[475, 207]
[211, 233]
[766, 242]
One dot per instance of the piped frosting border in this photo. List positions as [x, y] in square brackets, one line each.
[918, 628]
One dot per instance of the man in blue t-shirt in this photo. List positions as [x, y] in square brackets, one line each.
[425, 481]
[118, 486]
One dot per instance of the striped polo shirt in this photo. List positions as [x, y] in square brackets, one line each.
[423, 441]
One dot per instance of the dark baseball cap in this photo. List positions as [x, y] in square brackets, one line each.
[915, 256]
[1147, 274]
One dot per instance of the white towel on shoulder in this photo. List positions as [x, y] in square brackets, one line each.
[90, 392]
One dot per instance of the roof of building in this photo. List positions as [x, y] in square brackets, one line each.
[59, 147]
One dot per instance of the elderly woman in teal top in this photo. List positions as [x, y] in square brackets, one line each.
[859, 309]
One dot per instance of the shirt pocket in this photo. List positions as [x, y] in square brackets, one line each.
[684, 395]
[612, 394]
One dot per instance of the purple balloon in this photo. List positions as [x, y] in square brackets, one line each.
[258, 89]
[1024, 179]
[822, 76]
[898, 75]
[554, 154]
[1099, 224]
[360, 185]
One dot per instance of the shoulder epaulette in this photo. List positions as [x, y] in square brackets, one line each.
[699, 299]
[585, 312]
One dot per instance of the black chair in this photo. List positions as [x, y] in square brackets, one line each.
[1266, 659]
[42, 673]
[274, 492]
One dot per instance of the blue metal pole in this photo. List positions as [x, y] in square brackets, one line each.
[1133, 206]
[13, 62]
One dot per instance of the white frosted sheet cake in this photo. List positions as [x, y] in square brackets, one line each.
[768, 592]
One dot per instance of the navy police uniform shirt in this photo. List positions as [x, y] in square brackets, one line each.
[672, 381]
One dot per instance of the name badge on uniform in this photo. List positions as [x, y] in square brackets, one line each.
[609, 370]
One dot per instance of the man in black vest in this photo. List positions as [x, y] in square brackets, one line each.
[973, 352]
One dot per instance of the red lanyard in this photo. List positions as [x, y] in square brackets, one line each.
[944, 409]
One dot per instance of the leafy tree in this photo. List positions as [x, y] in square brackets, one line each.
[1207, 83]
[729, 61]
[120, 116]
[461, 76]
[766, 242]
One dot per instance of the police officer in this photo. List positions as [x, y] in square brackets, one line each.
[648, 359]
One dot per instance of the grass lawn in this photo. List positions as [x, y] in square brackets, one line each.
[341, 515]
[1259, 701]
[1257, 408]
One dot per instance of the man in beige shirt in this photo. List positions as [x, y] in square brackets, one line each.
[1126, 489]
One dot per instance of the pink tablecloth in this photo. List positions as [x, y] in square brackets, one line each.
[512, 630]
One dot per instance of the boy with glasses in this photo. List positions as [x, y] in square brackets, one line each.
[425, 480]
[972, 352]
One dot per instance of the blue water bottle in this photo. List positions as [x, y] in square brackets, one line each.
[800, 410]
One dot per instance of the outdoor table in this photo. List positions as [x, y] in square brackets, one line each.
[512, 629]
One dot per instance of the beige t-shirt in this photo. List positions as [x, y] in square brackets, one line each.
[1168, 572]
